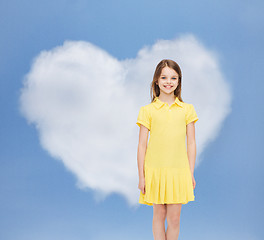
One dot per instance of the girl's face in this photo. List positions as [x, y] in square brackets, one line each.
[168, 80]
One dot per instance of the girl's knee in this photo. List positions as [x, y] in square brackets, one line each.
[173, 221]
[173, 215]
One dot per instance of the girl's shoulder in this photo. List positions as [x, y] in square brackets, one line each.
[186, 105]
[156, 105]
[148, 106]
[190, 112]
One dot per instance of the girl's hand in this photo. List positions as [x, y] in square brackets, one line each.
[193, 181]
[141, 184]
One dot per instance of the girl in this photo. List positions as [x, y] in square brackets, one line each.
[165, 166]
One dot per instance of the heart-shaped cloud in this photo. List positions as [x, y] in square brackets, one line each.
[84, 104]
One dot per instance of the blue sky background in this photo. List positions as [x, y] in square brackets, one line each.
[39, 197]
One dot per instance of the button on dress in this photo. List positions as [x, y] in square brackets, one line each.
[168, 178]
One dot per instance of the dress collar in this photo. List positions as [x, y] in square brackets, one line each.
[158, 103]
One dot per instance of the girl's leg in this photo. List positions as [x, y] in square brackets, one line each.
[173, 221]
[158, 224]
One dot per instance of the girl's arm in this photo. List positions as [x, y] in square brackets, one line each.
[142, 147]
[191, 145]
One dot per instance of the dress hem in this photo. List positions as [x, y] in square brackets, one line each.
[167, 186]
[151, 203]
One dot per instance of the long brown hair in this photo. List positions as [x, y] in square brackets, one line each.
[155, 90]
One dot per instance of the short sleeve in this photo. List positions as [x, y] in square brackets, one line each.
[144, 117]
[191, 114]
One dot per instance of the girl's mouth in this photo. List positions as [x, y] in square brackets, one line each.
[167, 86]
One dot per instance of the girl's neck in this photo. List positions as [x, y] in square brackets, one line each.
[167, 98]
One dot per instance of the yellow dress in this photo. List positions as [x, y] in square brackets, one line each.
[166, 167]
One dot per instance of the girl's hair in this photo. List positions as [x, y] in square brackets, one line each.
[155, 90]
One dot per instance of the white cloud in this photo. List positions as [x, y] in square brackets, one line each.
[84, 104]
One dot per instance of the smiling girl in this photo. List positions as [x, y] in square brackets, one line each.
[165, 163]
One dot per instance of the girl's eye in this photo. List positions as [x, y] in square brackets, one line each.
[162, 77]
